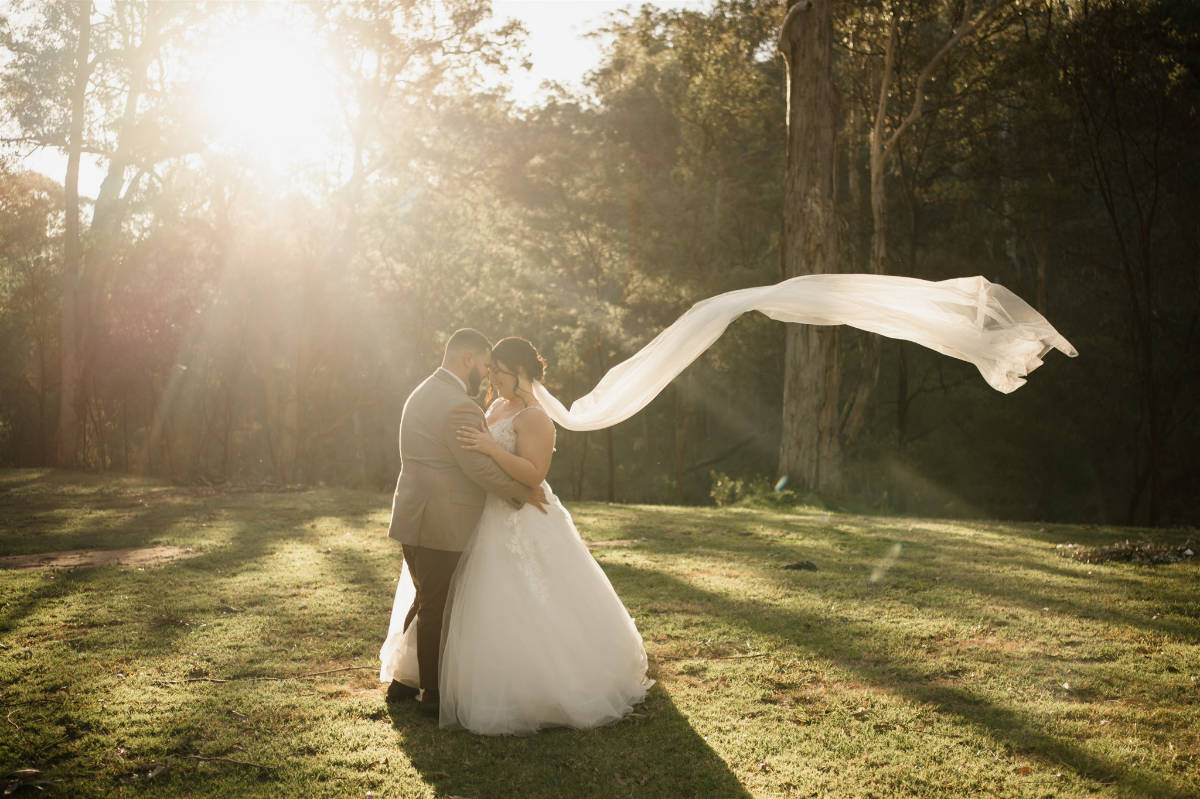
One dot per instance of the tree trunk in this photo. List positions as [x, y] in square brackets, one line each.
[112, 200]
[902, 398]
[680, 440]
[581, 467]
[72, 390]
[1040, 252]
[610, 445]
[809, 450]
[868, 348]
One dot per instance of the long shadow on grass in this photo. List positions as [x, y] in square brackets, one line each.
[675, 532]
[13, 480]
[40, 530]
[811, 633]
[261, 523]
[136, 530]
[654, 752]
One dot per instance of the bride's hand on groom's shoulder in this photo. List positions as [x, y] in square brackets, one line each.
[478, 440]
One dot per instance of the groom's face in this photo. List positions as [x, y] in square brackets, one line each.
[478, 371]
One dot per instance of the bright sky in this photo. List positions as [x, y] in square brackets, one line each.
[556, 43]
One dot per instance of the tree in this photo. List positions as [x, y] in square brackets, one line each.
[90, 98]
[810, 453]
[73, 360]
[885, 134]
[1130, 73]
[30, 262]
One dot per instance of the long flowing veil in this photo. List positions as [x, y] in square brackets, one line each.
[968, 318]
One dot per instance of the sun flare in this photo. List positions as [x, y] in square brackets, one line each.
[267, 94]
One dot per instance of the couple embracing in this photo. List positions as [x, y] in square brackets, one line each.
[502, 621]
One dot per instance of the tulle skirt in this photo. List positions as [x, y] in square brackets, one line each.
[535, 635]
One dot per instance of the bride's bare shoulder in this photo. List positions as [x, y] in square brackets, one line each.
[534, 420]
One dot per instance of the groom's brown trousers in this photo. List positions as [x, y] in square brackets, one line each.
[431, 570]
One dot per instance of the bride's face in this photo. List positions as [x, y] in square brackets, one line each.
[504, 379]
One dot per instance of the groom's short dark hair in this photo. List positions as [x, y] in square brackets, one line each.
[467, 340]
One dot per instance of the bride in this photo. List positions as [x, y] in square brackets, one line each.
[536, 636]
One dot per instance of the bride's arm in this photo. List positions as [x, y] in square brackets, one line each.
[535, 447]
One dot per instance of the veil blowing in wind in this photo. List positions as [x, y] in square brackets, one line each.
[968, 318]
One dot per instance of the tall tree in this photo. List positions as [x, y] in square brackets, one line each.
[810, 453]
[73, 362]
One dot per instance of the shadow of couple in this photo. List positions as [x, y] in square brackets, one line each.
[653, 751]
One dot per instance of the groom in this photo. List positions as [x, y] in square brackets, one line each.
[440, 493]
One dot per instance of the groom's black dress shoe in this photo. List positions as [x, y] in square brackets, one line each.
[399, 692]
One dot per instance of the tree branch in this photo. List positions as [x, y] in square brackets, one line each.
[889, 66]
[919, 91]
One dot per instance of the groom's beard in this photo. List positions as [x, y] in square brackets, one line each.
[474, 381]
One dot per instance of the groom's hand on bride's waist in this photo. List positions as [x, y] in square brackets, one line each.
[538, 499]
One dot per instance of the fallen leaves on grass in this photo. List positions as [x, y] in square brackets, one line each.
[25, 778]
[158, 770]
[1143, 553]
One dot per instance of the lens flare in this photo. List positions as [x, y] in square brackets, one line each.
[889, 560]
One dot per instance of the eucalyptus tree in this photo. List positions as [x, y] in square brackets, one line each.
[810, 452]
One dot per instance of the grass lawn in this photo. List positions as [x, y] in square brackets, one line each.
[926, 658]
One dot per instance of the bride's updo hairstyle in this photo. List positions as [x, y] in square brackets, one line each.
[514, 352]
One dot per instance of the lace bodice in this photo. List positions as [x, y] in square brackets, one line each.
[516, 540]
[504, 433]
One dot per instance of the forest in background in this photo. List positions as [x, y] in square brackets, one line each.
[226, 324]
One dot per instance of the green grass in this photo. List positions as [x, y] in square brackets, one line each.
[927, 658]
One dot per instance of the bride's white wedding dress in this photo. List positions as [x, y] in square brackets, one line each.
[535, 634]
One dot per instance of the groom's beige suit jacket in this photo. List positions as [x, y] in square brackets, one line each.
[440, 492]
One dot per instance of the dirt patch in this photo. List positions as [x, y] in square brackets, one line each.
[79, 558]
